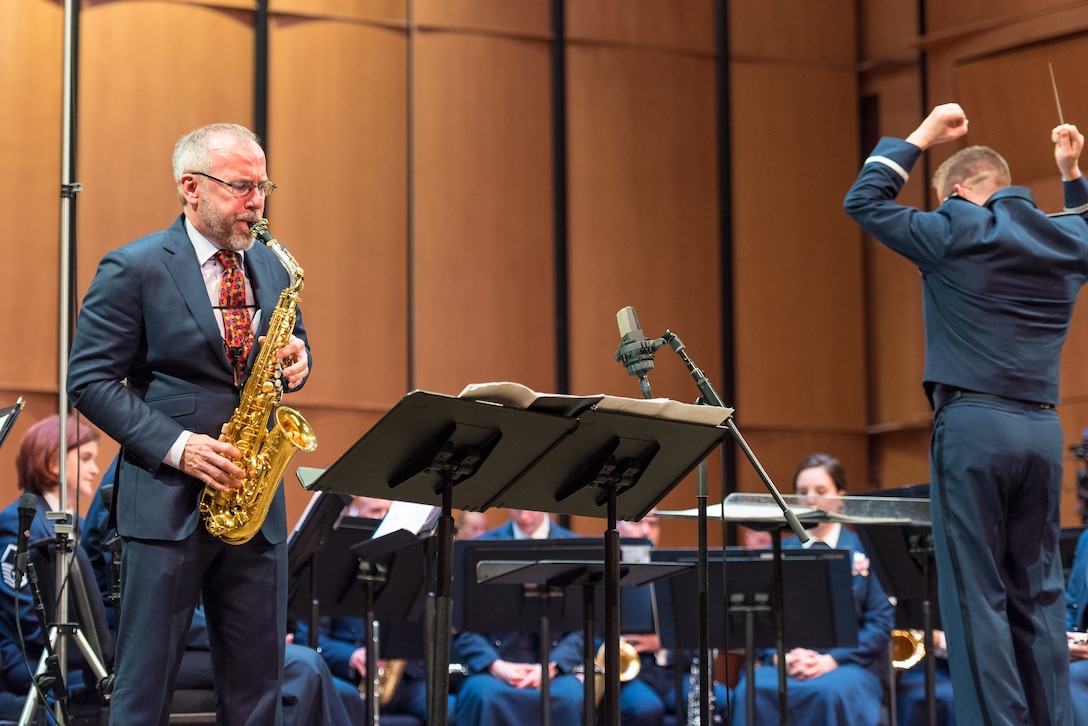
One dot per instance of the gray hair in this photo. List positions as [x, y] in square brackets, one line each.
[191, 150]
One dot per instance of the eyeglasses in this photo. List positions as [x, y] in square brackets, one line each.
[242, 187]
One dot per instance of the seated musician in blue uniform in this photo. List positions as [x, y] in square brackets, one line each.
[342, 642]
[504, 676]
[911, 702]
[1076, 626]
[649, 696]
[840, 686]
[37, 464]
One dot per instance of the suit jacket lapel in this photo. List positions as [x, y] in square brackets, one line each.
[181, 262]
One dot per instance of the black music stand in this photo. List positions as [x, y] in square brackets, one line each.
[395, 565]
[615, 466]
[328, 581]
[8, 414]
[435, 449]
[816, 582]
[556, 575]
[306, 551]
[762, 511]
[438, 450]
[338, 568]
[527, 585]
[903, 559]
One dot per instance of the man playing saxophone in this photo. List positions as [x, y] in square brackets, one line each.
[167, 335]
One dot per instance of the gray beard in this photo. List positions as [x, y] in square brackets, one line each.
[223, 231]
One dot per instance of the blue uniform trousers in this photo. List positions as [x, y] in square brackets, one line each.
[996, 469]
[911, 696]
[848, 695]
[484, 700]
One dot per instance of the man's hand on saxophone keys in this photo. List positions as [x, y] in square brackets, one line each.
[294, 360]
[213, 462]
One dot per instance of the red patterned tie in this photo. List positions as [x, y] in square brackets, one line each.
[237, 321]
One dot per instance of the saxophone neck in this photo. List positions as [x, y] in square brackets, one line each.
[261, 234]
[289, 264]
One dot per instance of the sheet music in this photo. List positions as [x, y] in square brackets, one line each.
[508, 393]
[409, 516]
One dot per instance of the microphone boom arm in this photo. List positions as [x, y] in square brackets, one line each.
[711, 397]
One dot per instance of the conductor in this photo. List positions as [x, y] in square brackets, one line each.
[1000, 279]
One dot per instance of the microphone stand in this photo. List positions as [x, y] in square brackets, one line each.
[49, 675]
[710, 396]
[57, 659]
[644, 352]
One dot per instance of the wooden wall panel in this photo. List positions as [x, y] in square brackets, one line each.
[643, 213]
[1010, 103]
[794, 31]
[483, 274]
[899, 458]
[900, 419]
[391, 12]
[500, 17]
[798, 277]
[677, 25]
[798, 274]
[971, 15]
[887, 33]
[338, 141]
[895, 335]
[130, 120]
[30, 89]
[643, 222]
[780, 452]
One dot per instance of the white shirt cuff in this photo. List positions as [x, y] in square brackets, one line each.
[173, 456]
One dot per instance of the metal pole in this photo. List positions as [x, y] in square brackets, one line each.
[69, 188]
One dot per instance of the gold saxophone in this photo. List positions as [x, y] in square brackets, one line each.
[236, 516]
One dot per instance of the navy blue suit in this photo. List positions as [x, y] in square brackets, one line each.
[853, 692]
[310, 693]
[484, 700]
[999, 283]
[147, 362]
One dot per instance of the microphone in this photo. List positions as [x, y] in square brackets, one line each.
[28, 507]
[636, 351]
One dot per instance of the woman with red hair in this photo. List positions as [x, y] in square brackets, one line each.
[37, 465]
[38, 460]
